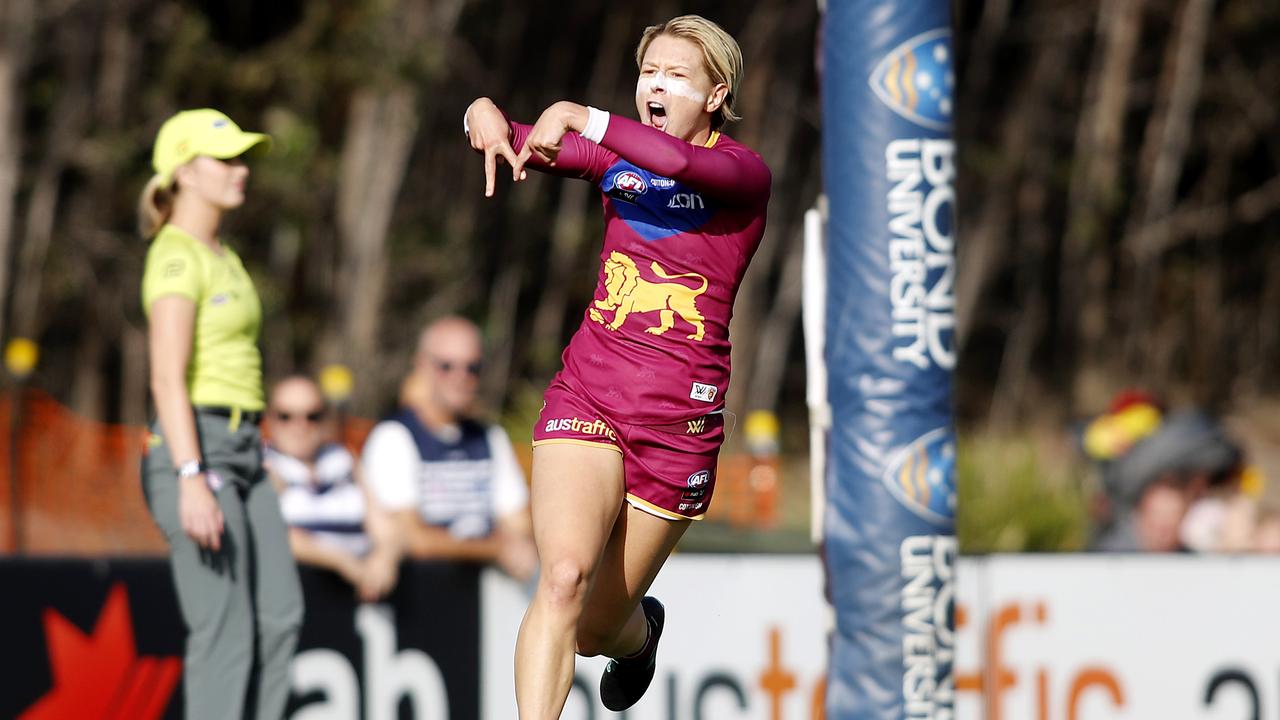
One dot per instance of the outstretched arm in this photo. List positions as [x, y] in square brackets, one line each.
[501, 140]
[576, 157]
[734, 174]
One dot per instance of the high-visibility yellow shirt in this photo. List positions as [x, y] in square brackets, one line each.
[225, 368]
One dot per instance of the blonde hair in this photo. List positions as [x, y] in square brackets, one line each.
[155, 205]
[720, 55]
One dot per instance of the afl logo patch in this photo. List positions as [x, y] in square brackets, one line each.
[697, 487]
[628, 181]
[628, 186]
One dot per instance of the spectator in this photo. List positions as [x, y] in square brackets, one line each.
[1172, 488]
[1154, 522]
[451, 481]
[1132, 415]
[1266, 537]
[331, 522]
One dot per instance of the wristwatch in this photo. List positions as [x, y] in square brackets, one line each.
[190, 468]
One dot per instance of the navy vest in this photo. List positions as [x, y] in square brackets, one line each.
[455, 477]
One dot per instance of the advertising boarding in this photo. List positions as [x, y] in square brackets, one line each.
[1050, 637]
[1039, 637]
[1098, 637]
[745, 637]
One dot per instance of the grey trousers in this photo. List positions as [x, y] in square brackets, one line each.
[242, 605]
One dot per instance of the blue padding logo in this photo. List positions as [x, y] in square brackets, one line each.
[916, 80]
[922, 476]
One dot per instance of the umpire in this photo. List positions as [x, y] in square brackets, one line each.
[236, 581]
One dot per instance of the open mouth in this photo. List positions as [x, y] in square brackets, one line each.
[657, 115]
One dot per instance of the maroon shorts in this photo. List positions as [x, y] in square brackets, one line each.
[669, 470]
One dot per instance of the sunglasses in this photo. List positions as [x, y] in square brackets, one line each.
[448, 366]
[312, 417]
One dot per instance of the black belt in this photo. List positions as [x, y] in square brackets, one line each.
[696, 426]
[249, 416]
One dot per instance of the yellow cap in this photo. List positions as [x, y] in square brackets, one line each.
[336, 383]
[1253, 483]
[20, 356]
[762, 424]
[761, 429]
[1110, 436]
[199, 132]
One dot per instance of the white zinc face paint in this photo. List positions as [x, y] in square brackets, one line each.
[675, 86]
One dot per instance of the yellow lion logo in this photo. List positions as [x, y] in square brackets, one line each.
[628, 293]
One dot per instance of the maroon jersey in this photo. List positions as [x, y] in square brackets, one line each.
[681, 224]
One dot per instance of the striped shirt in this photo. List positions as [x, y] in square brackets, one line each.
[326, 501]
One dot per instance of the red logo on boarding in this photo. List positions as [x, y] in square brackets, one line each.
[100, 674]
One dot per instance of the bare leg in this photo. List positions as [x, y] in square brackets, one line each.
[612, 623]
[576, 497]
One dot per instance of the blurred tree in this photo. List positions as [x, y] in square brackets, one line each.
[1119, 189]
[1120, 182]
[17, 29]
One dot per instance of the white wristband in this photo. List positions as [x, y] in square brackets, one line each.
[597, 124]
[190, 468]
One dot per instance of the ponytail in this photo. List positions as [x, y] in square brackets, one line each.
[154, 206]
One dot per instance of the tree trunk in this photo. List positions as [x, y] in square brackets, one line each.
[1011, 398]
[71, 115]
[989, 242]
[134, 385]
[1094, 191]
[983, 46]
[277, 345]
[773, 351]
[500, 328]
[767, 86]
[87, 396]
[118, 74]
[1163, 155]
[17, 28]
[1267, 329]
[568, 231]
[469, 213]
[380, 132]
